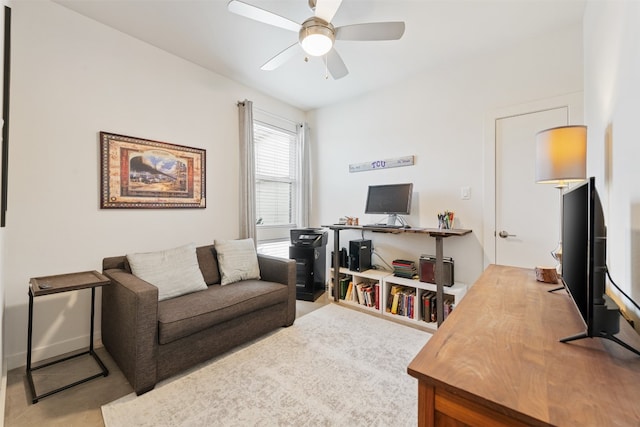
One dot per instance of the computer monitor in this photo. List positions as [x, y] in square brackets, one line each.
[389, 199]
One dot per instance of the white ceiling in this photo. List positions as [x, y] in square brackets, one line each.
[437, 32]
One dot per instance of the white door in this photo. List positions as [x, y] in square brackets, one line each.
[527, 215]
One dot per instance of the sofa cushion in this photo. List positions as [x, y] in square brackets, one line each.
[208, 261]
[237, 260]
[174, 271]
[188, 314]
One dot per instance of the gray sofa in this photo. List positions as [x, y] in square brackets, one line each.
[151, 340]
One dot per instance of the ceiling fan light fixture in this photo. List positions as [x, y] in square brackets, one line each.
[316, 36]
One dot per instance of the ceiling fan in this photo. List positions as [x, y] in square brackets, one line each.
[316, 35]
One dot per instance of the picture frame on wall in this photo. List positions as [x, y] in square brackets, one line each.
[6, 84]
[139, 173]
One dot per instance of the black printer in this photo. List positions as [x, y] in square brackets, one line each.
[308, 237]
[308, 249]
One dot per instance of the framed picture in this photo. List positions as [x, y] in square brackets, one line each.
[138, 173]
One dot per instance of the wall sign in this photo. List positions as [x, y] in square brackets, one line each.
[381, 164]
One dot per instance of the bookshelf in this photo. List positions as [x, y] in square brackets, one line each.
[438, 234]
[371, 278]
[452, 294]
[385, 280]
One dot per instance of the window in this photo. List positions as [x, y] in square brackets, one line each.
[276, 154]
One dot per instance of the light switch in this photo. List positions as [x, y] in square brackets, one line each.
[465, 193]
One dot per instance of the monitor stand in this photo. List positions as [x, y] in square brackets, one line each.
[392, 219]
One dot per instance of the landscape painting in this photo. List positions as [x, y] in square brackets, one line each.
[140, 173]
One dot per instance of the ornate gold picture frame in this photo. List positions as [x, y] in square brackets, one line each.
[139, 173]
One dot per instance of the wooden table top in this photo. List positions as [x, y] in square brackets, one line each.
[500, 347]
[419, 230]
[66, 282]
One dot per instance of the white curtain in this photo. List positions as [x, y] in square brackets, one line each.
[304, 174]
[247, 172]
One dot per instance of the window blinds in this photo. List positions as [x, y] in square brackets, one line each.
[275, 162]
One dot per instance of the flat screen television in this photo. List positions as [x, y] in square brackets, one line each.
[584, 263]
[390, 199]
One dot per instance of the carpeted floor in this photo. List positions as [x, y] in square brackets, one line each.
[79, 406]
[334, 366]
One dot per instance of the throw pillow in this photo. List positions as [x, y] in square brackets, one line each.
[237, 260]
[174, 272]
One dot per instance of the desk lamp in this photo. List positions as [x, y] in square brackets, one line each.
[561, 158]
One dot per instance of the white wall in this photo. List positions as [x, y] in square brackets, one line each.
[612, 100]
[72, 78]
[439, 117]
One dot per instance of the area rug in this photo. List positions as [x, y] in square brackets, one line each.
[335, 366]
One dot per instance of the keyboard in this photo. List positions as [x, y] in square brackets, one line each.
[381, 226]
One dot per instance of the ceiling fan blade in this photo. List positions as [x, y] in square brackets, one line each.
[326, 9]
[335, 65]
[371, 31]
[261, 15]
[282, 57]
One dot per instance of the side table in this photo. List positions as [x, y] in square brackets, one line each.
[40, 286]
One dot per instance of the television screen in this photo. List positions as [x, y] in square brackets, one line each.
[584, 264]
[389, 199]
[575, 247]
[584, 250]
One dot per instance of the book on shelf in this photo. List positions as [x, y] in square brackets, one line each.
[392, 300]
[359, 287]
[429, 307]
[348, 296]
[405, 268]
[362, 293]
[448, 307]
[426, 306]
[402, 301]
[434, 307]
[344, 285]
[394, 304]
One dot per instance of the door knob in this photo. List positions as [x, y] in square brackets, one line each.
[505, 234]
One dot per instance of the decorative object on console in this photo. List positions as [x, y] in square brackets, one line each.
[139, 173]
[561, 158]
[546, 274]
[317, 35]
[445, 220]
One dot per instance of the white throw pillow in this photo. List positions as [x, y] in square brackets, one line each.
[237, 260]
[174, 272]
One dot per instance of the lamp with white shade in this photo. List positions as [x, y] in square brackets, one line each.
[561, 158]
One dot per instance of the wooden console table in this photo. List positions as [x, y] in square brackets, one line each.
[497, 361]
[439, 235]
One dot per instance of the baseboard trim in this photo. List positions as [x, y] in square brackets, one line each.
[18, 360]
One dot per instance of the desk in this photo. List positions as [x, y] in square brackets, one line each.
[497, 361]
[438, 233]
[40, 286]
